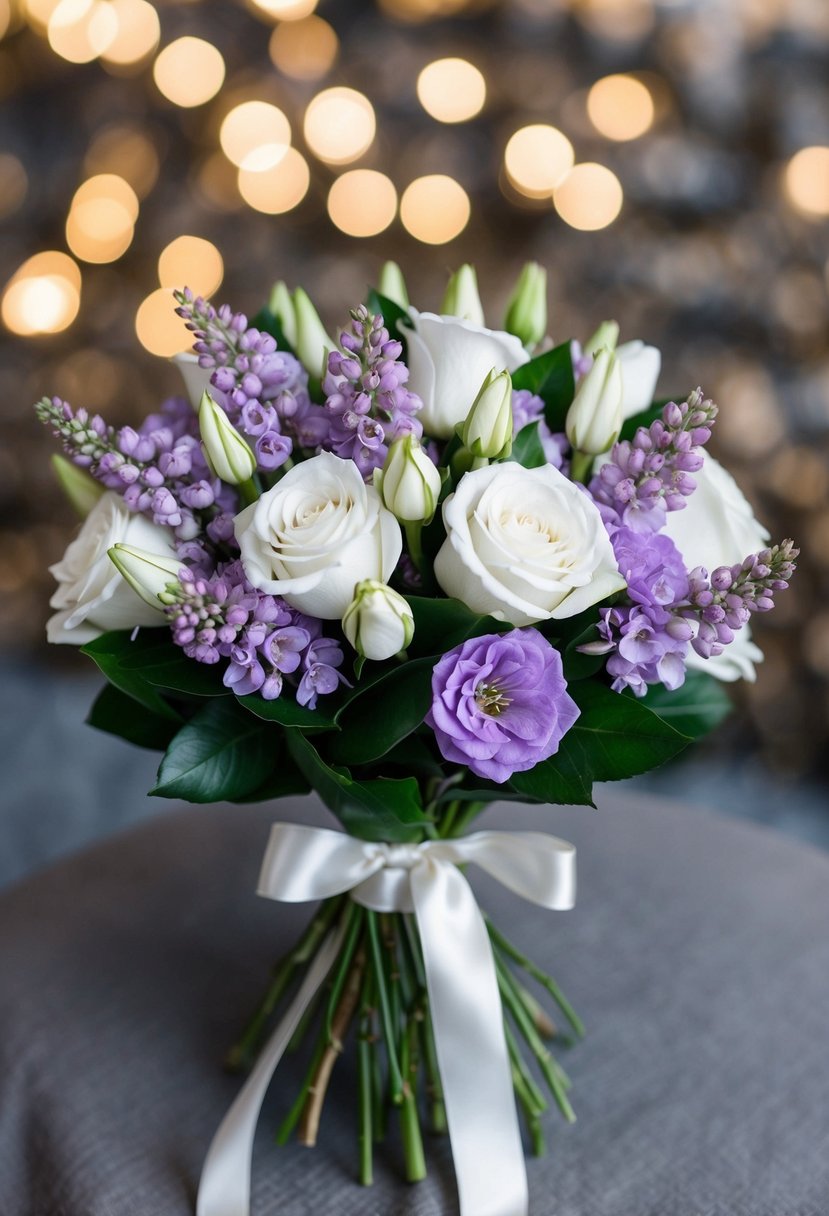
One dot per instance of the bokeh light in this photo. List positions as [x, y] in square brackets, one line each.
[137, 34]
[589, 198]
[160, 330]
[620, 107]
[278, 189]
[43, 296]
[451, 90]
[100, 224]
[285, 10]
[255, 135]
[304, 50]
[537, 158]
[807, 181]
[126, 151]
[81, 30]
[362, 202]
[191, 261]
[189, 71]
[339, 125]
[14, 183]
[435, 209]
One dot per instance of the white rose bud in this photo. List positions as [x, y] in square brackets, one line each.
[378, 622]
[461, 298]
[527, 309]
[594, 420]
[607, 335]
[228, 455]
[487, 431]
[147, 573]
[282, 307]
[392, 285]
[82, 490]
[409, 482]
[312, 342]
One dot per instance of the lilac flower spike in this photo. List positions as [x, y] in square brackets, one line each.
[651, 474]
[367, 402]
[500, 703]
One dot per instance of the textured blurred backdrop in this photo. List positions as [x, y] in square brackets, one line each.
[667, 160]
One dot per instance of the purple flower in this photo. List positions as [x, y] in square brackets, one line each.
[500, 703]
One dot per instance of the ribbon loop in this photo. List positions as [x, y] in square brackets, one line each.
[303, 863]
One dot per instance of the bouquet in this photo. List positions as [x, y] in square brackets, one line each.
[416, 569]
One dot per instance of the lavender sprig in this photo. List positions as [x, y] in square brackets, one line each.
[651, 474]
[263, 390]
[722, 604]
[366, 399]
[222, 616]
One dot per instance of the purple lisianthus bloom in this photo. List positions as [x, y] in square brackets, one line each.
[500, 703]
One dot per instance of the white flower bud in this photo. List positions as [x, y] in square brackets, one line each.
[526, 315]
[392, 285]
[312, 342]
[147, 573]
[487, 431]
[227, 453]
[607, 335]
[461, 298]
[409, 482]
[82, 490]
[378, 622]
[282, 307]
[594, 420]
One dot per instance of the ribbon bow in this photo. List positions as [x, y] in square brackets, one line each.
[302, 864]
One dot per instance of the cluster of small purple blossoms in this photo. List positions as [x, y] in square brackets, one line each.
[648, 640]
[367, 402]
[528, 407]
[652, 474]
[159, 469]
[264, 640]
[722, 604]
[263, 390]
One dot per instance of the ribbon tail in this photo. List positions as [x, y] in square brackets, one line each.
[224, 1189]
[469, 1037]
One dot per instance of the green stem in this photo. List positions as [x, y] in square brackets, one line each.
[519, 1065]
[434, 1088]
[467, 814]
[524, 1023]
[365, 1045]
[248, 491]
[242, 1052]
[413, 540]
[581, 466]
[389, 1029]
[290, 1121]
[541, 977]
[447, 820]
[353, 921]
[409, 1118]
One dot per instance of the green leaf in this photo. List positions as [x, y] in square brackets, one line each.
[386, 712]
[550, 376]
[287, 712]
[695, 708]
[578, 666]
[165, 665]
[561, 780]
[645, 418]
[269, 323]
[396, 319]
[441, 624]
[617, 736]
[117, 714]
[222, 753]
[109, 651]
[284, 781]
[373, 810]
[527, 449]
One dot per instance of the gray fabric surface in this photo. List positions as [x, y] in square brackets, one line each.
[698, 957]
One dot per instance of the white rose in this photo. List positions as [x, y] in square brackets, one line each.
[718, 528]
[524, 545]
[316, 534]
[92, 597]
[640, 366]
[196, 379]
[448, 360]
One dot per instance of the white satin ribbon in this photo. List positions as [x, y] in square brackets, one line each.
[303, 864]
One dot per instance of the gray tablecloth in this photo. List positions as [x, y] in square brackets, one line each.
[698, 957]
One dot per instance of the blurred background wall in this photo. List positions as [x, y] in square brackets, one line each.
[667, 160]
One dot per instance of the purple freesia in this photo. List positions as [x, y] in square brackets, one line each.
[500, 703]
